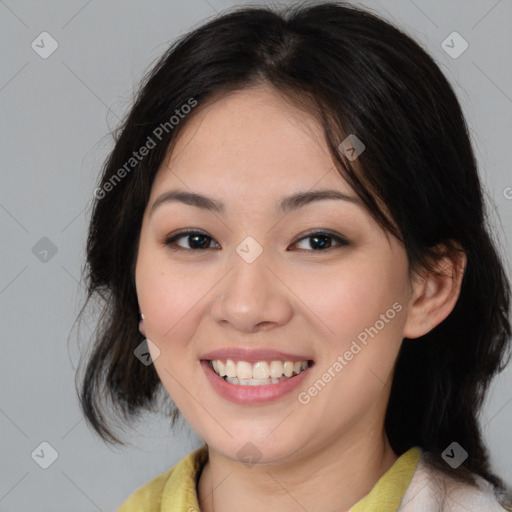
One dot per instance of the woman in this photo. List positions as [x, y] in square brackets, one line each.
[289, 237]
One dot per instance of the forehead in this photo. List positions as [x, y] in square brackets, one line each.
[250, 140]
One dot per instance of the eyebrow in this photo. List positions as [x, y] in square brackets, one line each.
[287, 204]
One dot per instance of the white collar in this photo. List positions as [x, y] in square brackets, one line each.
[431, 490]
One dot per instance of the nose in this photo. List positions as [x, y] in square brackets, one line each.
[253, 296]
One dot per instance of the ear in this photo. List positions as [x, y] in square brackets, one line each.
[434, 294]
[142, 329]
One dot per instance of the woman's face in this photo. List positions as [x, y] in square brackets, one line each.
[261, 277]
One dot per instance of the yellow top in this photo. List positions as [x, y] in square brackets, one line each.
[175, 490]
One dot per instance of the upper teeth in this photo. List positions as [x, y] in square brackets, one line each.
[259, 370]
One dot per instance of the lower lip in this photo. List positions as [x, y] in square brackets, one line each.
[250, 395]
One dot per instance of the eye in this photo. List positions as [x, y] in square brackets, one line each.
[322, 241]
[198, 240]
[195, 240]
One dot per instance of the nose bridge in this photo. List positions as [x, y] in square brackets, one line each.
[251, 296]
[248, 282]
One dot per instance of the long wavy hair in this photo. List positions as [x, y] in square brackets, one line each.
[358, 74]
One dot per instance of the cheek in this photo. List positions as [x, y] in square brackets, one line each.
[171, 301]
[168, 298]
[353, 297]
[364, 310]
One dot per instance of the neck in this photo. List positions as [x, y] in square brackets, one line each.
[332, 478]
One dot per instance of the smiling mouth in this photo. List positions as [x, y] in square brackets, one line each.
[261, 373]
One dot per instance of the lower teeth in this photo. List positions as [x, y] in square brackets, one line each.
[254, 382]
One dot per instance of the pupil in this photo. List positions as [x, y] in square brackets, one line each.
[198, 237]
[320, 240]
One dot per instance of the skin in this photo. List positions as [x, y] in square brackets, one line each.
[249, 149]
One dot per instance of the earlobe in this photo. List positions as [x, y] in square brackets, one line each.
[434, 296]
[142, 328]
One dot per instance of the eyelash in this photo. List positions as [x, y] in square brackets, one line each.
[169, 241]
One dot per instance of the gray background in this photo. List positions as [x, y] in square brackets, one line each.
[56, 114]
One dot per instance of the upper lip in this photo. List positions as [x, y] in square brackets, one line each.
[253, 355]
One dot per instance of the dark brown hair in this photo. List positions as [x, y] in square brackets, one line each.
[359, 75]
